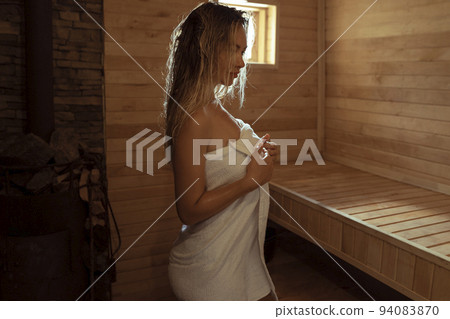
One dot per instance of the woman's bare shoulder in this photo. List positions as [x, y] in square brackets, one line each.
[200, 124]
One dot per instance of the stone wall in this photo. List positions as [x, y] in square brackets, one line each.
[77, 71]
[12, 74]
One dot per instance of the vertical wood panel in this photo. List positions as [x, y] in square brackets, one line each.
[286, 203]
[275, 204]
[295, 213]
[325, 230]
[347, 239]
[361, 241]
[374, 253]
[389, 261]
[302, 217]
[314, 222]
[441, 278]
[405, 268]
[336, 234]
[423, 277]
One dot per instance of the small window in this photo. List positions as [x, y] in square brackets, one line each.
[262, 29]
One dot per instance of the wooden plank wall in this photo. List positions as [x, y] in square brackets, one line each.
[387, 89]
[133, 102]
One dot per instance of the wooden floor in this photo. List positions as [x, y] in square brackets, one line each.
[302, 271]
[394, 231]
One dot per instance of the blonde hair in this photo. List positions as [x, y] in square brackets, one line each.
[193, 60]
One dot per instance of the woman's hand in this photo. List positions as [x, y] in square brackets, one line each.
[272, 148]
[259, 173]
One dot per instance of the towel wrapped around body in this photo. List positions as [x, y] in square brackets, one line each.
[222, 257]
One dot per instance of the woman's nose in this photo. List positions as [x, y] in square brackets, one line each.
[240, 61]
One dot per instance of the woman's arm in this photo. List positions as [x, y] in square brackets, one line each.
[198, 204]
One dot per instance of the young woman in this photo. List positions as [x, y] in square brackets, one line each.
[218, 254]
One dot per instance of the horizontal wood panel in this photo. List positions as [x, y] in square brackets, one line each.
[393, 28]
[298, 11]
[140, 192]
[298, 32]
[169, 222]
[400, 174]
[419, 222]
[425, 111]
[433, 240]
[149, 8]
[381, 5]
[412, 124]
[402, 216]
[436, 171]
[374, 208]
[435, 141]
[434, 68]
[433, 97]
[150, 204]
[424, 230]
[338, 18]
[437, 82]
[137, 181]
[140, 22]
[410, 150]
[378, 216]
[427, 54]
[444, 249]
[395, 21]
[404, 41]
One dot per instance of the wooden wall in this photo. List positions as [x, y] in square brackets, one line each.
[133, 102]
[387, 89]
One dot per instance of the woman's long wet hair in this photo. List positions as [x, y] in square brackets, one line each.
[193, 62]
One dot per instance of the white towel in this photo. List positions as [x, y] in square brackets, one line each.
[222, 258]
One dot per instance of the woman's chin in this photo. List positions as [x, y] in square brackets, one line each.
[230, 82]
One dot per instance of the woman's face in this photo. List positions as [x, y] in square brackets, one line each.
[227, 73]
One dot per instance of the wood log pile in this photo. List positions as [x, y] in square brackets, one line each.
[29, 167]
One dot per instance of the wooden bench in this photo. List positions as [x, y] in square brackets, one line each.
[395, 232]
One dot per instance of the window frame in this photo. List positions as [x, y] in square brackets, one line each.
[251, 4]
